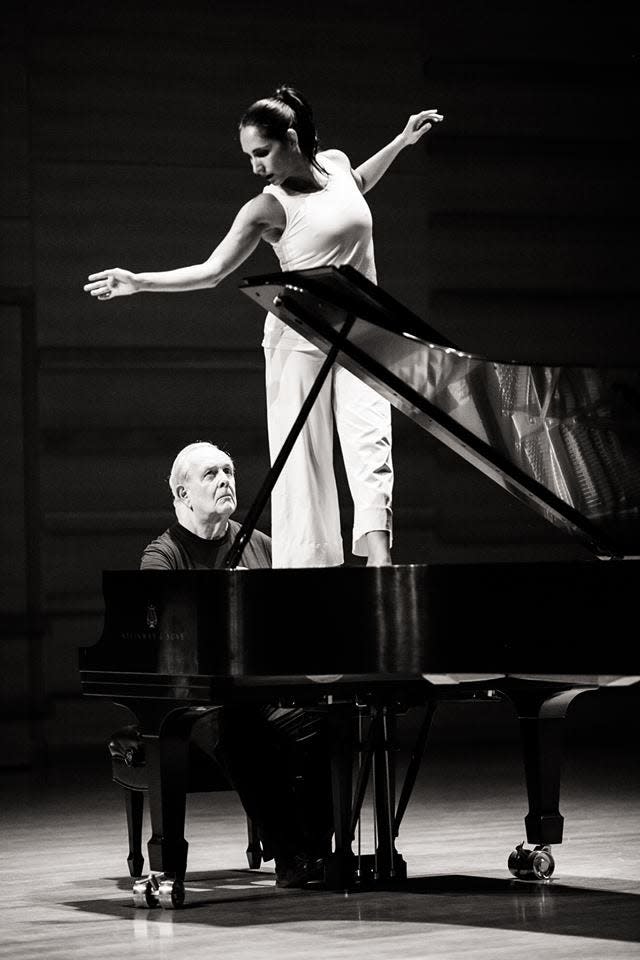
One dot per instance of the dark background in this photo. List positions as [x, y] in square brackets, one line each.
[512, 229]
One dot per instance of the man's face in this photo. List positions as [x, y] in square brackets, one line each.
[210, 485]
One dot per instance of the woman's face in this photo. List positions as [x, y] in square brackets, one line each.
[272, 160]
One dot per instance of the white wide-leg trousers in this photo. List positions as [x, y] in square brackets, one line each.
[305, 514]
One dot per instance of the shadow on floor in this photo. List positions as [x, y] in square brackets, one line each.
[245, 898]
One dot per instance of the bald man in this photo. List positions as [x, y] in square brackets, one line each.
[203, 485]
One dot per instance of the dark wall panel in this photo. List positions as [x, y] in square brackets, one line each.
[21, 663]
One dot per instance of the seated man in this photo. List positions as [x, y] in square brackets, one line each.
[277, 759]
[203, 485]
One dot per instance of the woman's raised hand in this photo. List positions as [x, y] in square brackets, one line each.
[419, 124]
[107, 284]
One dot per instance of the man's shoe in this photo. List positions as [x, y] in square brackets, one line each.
[298, 871]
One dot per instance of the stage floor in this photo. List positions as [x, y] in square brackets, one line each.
[66, 891]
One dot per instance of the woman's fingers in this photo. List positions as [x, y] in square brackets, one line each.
[98, 289]
[102, 284]
[427, 116]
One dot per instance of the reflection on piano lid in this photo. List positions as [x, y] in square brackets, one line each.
[565, 440]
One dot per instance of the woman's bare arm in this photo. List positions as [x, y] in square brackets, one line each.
[260, 214]
[368, 173]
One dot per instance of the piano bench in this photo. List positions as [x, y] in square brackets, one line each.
[128, 769]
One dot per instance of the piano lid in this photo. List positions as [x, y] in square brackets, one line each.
[565, 440]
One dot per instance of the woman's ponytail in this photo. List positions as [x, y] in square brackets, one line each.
[304, 124]
[286, 109]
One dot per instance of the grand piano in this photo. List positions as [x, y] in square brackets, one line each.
[565, 440]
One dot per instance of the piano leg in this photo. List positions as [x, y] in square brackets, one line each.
[134, 807]
[542, 716]
[167, 765]
[254, 846]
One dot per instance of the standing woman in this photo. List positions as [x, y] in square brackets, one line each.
[313, 213]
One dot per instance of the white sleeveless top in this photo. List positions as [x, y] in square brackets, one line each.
[330, 227]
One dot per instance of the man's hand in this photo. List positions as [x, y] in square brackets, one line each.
[419, 124]
[107, 284]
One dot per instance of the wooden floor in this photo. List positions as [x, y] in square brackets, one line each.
[66, 891]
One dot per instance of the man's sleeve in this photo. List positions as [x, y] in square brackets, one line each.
[157, 556]
[257, 553]
[267, 548]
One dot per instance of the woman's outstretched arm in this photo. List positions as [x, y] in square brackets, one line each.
[253, 219]
[369, 172]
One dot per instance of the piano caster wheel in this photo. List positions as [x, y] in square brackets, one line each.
[536, 864]
[145, 892]
[171, 894]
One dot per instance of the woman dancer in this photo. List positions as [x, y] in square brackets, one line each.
[313, 213]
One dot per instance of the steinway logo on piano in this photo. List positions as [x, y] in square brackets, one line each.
[166, 636]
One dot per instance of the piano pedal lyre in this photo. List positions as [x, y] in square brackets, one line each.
[536, 864]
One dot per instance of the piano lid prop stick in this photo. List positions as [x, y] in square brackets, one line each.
[244, 533]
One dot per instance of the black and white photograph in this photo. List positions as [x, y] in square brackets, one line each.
[320, 353]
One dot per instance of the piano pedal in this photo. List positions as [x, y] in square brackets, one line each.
[371, 869]
[156, 890]
[536, 864]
